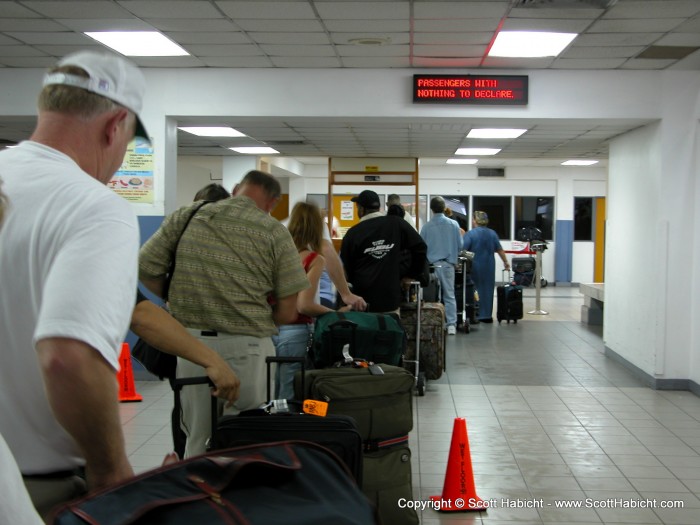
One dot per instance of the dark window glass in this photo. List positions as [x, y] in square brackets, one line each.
[583, 218]
[535, 212]
[498, 210]
[459, 204]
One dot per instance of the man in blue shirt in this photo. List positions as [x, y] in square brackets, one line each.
[444, 242]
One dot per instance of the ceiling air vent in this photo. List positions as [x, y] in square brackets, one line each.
[491, 172]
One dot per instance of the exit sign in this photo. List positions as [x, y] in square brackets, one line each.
[495, 90]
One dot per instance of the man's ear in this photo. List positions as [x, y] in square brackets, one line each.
[114, 122]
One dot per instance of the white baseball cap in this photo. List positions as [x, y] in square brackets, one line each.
[110, 76]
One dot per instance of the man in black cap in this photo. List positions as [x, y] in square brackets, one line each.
[372, 251]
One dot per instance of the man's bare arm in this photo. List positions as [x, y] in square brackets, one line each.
[82, 390]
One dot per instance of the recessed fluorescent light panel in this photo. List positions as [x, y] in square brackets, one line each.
[212, 131]
[462, 161]
[255, 150]
[477, 151]
[139, 43]
[530, 44]
[579, 162]
[495, 133]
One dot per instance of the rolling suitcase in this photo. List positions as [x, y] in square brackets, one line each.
[283, 420]
[295, 483]
[432, 337]
[380, 399]
[509, 302]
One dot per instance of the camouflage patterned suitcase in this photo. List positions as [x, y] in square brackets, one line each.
[432, 337]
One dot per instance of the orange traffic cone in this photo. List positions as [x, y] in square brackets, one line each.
[459, 492]
[125, 377]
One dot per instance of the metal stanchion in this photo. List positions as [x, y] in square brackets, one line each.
[538, 282]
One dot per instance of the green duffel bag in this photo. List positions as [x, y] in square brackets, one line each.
[372, 336]
[381, 405]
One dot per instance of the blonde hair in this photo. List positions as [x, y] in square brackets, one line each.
[481, 218]
[306, 226]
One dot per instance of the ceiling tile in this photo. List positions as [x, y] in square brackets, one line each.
[582, 12]
[656, 25]
[284, 26]
[433, 62]
[237, 62]
[304, 62]
[72, 9]
[37, 62]
[467, 10]
[201, 24]
[215, 50]
[534, 24]
[374, 62]
[208, 37]
[171, 9]
[617, 39]
[363, 10]
[456, 26]
[267, 10]
[600, 63]
[298, 51]
[110, 24]
[642, 63]
[290, 38]
[460, 38]
[449, 51]
[654, 9]
[15, 10]
[22, 51]
[373, 51]
[13, 24]
[183, 61]
[370, 26]
[679, 39]
[53, 38]
[601, 52]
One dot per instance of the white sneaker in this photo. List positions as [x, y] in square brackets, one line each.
[451, 330]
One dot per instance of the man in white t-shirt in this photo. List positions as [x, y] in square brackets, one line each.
[68, 263]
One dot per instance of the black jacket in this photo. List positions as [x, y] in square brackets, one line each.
[371, 253]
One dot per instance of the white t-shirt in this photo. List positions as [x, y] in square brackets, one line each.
[68, 268]
[16, 507]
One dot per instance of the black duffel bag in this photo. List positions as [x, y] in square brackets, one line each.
[289, 482]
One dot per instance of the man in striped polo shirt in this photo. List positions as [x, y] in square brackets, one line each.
[237, 277]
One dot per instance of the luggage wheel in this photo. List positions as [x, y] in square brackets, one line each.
[420, 384]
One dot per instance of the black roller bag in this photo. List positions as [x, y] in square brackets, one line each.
[509, 302]
[282, 420]
[290, 483]
[380, 399]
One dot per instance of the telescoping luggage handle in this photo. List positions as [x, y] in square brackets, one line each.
[345, 323]
[177, 384]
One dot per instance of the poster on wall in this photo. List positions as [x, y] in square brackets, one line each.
[134, 179]
[347, 211]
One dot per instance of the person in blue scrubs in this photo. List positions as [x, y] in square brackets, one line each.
[484, 242]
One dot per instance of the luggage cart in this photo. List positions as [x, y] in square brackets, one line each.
[419, 375]
[468, 313]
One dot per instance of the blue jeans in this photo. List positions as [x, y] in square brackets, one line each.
[445, 273]
[291, 341]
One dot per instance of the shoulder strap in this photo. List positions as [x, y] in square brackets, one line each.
[171, 267]
[308, 260]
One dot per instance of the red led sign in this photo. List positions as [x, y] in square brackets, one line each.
[495, 90]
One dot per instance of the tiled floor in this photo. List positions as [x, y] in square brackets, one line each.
[550, 422]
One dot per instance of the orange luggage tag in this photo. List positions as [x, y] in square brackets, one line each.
[315, 407]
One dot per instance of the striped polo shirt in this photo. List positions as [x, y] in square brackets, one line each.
[231, 258]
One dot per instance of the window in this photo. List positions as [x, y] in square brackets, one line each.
[583, 218]
[459, 204]
[409, 205]
[498, 210]
[319, 199]
[537, 212]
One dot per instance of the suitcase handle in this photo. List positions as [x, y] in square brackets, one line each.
[177, 384]
[285, 359]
